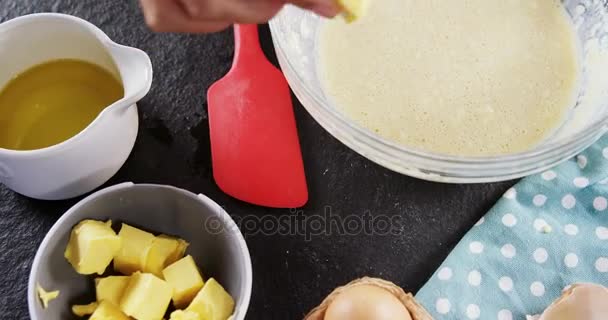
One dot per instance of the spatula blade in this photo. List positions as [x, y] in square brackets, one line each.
[254, 140]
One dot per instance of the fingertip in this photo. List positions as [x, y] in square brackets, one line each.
[326, 10]
[192, 8]
[154, 22]
[257, 14]
[212, 27]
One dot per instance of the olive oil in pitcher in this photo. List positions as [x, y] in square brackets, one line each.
[52, 102]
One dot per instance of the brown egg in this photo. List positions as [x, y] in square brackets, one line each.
[369, 298]
[580, 302]
[366, 302]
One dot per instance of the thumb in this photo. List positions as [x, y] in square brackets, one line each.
[326, 8]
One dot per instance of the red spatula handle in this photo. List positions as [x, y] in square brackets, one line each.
[247, 44]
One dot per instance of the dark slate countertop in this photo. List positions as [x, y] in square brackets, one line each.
[292, 274]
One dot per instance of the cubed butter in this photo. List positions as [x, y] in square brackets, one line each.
[184, 315]
[111, 288]
[186, 280]
[92, 246]
[84, 310]
[108, 311]
[132, 254]
[179, 253]
[212, 302]
[147, 297]
[164, 251]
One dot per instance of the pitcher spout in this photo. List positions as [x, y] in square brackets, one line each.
[135, 70]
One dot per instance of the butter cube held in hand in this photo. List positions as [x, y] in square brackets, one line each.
[186, 280]
[135, 245]
[212, 302]
[147, 297]
[354, 9]
[92, 246]
[108, 311]
[111, 288]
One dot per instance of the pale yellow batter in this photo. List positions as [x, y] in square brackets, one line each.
[460, 77]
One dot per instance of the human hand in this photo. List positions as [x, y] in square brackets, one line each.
[201, 16]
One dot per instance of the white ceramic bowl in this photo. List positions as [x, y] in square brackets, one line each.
[216, 243]
[295, 34]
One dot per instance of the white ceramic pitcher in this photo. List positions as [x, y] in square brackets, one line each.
[89, 159]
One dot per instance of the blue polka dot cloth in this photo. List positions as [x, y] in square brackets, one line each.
[547, 232]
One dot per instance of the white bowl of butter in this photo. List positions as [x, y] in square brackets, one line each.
[208, 243]
[462, 92]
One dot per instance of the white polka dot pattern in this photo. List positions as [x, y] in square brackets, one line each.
[505, 284]
[600, 203]
[511, 194]
[545, 233]
[505, 315]
[601, 233]
[474, 278]
[568, 201]
[443, 306]
[508, 251]
[473, 311]
[509, 220]
[581, 161]
[571, 229]
[476, 247]
[541, 255]
[537, 289]
[445, 274]
[601, 265]
[571, 260]
[549, 175]
[581, 182]
[539, 200]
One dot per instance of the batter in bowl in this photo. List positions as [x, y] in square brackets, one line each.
[459, 77]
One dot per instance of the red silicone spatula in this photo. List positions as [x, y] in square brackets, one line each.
[254, 140]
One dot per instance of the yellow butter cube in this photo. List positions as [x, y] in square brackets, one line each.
[212, 302]
[184, 315]
[146, 297]
[354, 9]
[111, 288]
[179, 253]
[164, 251]
[132, 255]
[92, 246]
[108, 311]
[186, 280]
[84, 310]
